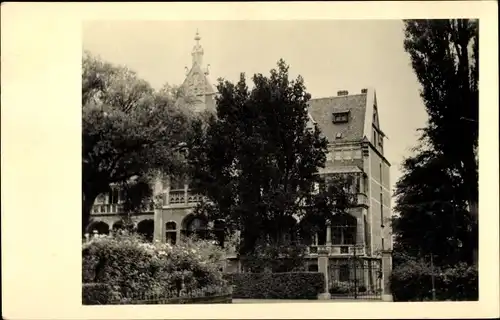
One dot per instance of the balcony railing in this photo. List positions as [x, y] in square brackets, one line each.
[177, 197]
[337, 250]
[107, 208]
[115, 208]
[181, 197]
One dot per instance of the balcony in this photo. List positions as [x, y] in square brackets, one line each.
[101, 208]
[337, 250]
[181, 198]
[107, 208]
[362, 199]
[176, 197]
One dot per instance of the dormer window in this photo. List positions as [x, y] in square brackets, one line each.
[340, 117]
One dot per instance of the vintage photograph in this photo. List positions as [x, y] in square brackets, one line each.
[279, 161]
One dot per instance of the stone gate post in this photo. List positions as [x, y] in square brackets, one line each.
[386, 274]
[323, 263]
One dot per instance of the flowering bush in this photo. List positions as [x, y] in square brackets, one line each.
[129, 265]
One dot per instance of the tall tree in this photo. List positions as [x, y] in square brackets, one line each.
[257, 160]
[444, 55]
[433, 216]
[129, 131]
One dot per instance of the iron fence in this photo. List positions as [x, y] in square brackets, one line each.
[355, 279]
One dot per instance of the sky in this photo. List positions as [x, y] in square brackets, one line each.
[331, 55]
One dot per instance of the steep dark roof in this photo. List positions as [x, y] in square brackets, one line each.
[321, 110]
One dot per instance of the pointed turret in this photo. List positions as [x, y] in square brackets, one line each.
[197, 52]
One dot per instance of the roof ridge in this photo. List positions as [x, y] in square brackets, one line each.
[333, 97]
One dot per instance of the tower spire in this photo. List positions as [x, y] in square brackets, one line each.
[197, 53]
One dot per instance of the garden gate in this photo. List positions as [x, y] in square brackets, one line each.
[355, 278]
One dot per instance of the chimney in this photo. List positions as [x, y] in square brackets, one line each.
[364, 90]
[342, 93]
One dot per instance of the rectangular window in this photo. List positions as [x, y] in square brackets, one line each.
[347, 155]
[171, 237]
[341, 117]
[357, 154]
[338, 154]
[113, 196]
[121, 196]
[357, 186]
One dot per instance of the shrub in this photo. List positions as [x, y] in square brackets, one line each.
[412, 281]
[340, 288]
[96, 293]
[289, 285]
[129, 265]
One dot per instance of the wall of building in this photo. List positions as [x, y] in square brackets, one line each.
[344, 155]
[176, 215]
[380, 202]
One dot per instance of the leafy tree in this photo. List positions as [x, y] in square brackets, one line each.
[444, 56]
[433, 216]
[257, 158]
[129, 132]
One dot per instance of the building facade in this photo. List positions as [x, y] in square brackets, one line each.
[350, 122]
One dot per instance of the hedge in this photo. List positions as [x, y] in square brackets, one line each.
[412, 281]
[288, 285]
[96, 293]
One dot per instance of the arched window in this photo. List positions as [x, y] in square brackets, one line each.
[118, 225]
[146, 229]
[100, 227]
[195, 226]
[171, 232]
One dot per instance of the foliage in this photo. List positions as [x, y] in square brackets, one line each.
[100, 293]
[276, 257]
[444, 56]
[129, 132]
[129, 265]
[291, 285]
[411, 281]
[432, 211]
[331, 202]
[345, 287]
[96, 293]
[257, 159]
